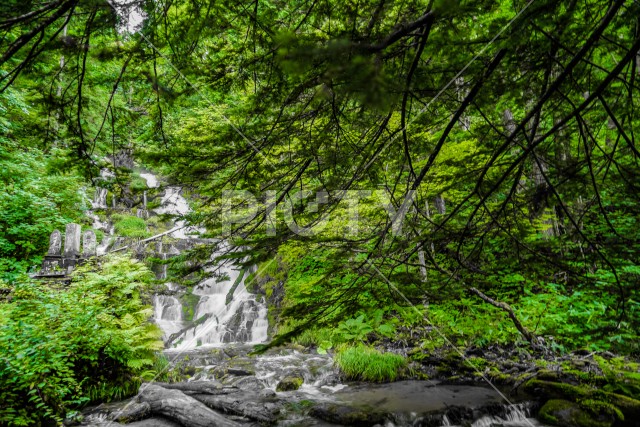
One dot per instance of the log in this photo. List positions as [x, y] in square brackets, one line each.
[199, 387]
[248, 405]
[177, 406]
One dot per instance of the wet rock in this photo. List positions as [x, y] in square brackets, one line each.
[560, 412]
[239, 372]
[248, 383]
[346, 415]
[267, 394]
[459, 414]
[625, 409]
[290, 383]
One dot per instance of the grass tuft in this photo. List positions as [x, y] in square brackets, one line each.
[368, 364]
[130, 226]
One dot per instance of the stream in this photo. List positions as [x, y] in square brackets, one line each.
[217, 348]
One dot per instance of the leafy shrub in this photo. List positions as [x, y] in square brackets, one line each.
[130, 226]
[32, 204]
[62, 348]
[368, 364]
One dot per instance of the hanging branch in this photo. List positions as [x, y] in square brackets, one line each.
[506, 307]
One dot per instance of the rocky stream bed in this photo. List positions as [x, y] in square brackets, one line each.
[289, 387]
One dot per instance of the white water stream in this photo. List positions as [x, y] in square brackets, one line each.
[242, 320]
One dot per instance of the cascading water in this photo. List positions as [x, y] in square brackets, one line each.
[516, 415]
[225, 311]
[231, 313]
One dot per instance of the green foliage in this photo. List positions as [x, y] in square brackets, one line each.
[58, 354]
[364, 363]
[358, 328]
[33, 203]
[353, 329]
[130, 226]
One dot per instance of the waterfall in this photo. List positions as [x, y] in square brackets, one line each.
[225, 312]
[99, 199]
[152, 180]
[229, 312]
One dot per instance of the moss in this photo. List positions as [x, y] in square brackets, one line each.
[189, 303]
[598, 407]
[234, 286]
[548, 375]
[564, 413]
[289, 383]
[628, 407]
[622, 376]
[130, 226]
[478, 363]
[138, 184]
[559, 390]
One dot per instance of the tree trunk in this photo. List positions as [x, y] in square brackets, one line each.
[178, 406]
[199, 387]
[249, 405]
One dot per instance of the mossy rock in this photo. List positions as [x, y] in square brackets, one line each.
[346, 415]
[626, 409]
[289, 383]
[564, 413]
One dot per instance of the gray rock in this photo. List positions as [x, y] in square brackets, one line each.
[267, 393]
[248, 383]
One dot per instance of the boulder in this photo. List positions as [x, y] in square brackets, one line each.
[347, 415]
[564, 413]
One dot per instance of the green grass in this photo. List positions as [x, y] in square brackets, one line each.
[130, 226]
[368, 364]
[314, 337]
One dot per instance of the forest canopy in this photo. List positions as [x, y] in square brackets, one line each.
[501, 134]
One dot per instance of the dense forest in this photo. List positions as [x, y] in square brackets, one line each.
[400, 181]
